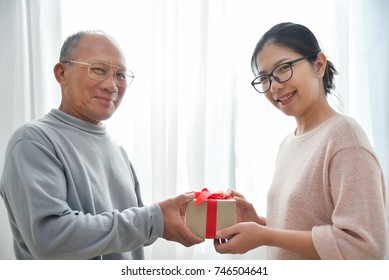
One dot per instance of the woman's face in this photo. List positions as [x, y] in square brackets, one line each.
[303, 91]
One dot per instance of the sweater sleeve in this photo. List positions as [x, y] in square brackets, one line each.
[140, 203]
[45, 225]
[358, 229]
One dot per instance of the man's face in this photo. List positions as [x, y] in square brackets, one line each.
[88, 99]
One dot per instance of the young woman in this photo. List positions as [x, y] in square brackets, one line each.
[327, 197]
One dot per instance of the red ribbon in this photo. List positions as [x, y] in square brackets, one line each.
[211, 198]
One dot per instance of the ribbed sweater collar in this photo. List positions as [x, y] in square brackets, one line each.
[78, 123]
[311, 133]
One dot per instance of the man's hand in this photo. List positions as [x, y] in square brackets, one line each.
[173, 210]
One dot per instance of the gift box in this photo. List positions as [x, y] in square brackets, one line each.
[209, 212]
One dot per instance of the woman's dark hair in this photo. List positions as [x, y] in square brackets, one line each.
[299, 39]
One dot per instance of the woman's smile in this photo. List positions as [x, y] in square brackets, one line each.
[286, 99]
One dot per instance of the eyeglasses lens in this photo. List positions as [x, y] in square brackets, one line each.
[99, 71]
[281, 74]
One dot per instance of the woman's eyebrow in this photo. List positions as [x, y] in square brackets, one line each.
[278, 62]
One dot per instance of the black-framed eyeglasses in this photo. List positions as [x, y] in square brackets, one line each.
[281, 73]
[99, 71]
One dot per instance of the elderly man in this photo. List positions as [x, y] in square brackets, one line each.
[70, 190]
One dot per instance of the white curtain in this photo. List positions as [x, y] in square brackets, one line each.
[190, 119]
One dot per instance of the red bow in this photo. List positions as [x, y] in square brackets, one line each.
[204, 195]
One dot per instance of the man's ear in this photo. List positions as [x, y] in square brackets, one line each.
[320, 64]
[59, 73]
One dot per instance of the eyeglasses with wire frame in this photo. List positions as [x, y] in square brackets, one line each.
[281, 73]
[99, 71]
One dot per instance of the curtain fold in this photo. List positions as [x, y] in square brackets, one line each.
[369, 82]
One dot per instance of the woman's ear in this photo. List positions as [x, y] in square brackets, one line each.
[59, 73]
[320, 64]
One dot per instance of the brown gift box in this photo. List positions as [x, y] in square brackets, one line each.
[196, 216]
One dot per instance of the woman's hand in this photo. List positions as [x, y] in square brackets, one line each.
[245, 211]
[245, 237]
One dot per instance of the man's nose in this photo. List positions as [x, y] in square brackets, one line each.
[110, 82]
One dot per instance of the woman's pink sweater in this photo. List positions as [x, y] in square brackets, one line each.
[329, 181]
